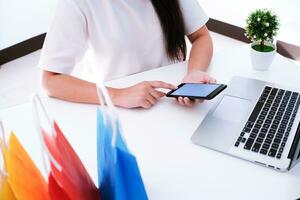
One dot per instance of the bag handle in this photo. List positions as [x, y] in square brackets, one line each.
[38, 105]
[109, 111]
[2, 133]
[3, 144]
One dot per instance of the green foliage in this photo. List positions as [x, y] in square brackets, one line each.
[262, 26]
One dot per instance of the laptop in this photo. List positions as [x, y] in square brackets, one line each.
[254, 120]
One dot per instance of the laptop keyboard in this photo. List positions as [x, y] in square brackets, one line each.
[270, 122]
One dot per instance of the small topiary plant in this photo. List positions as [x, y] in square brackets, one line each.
[262, 26]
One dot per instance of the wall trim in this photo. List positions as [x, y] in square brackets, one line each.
[229, 30]
[286, 49]
[21, 49]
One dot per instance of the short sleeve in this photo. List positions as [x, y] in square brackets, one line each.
[66, 39]
[193, 15]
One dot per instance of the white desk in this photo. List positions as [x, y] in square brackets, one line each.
[171, 166]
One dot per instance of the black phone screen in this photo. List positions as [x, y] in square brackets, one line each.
[197, 90]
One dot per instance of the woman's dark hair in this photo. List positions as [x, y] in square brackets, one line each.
[171, 20]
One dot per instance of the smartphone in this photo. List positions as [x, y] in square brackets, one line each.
[197, 90]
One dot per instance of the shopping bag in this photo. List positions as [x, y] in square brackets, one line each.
[68, 178]
[55, 191]
[24, 180]
[118, 171]
[6, 192]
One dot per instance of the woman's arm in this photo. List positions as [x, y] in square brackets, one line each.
[200, 57]
[69, 88]
[76, 90]
[202, 50]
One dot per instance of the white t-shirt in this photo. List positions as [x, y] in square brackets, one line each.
[125, 36]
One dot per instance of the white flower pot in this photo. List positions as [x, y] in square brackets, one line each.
[262, 60]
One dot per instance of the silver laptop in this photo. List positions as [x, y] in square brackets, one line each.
[256, 121]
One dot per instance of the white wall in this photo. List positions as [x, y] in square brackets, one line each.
[23, 19]
[236, 11]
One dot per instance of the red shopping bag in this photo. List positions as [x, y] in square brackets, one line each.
[67, 174]
[55, 191]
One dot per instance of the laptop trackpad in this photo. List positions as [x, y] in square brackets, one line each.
[233, 109]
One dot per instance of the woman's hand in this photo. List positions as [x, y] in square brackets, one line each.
[142, 95]
[194, 76]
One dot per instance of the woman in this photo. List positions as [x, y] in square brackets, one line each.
[126, 37]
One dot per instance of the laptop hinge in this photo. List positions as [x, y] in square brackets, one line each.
[294, 147]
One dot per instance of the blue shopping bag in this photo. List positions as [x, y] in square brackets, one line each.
[118, 171]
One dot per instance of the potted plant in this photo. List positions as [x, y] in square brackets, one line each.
[262, 26]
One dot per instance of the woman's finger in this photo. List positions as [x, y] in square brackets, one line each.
[156, 94]
[187, 101]
[181, 101]
[200, 100]
[151, 99]
[146, 104]
[213, 80]
[208, 79]
[161, 84]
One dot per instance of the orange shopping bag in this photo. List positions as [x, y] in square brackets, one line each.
[24, 180]
[6, 192]
[67, 173]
